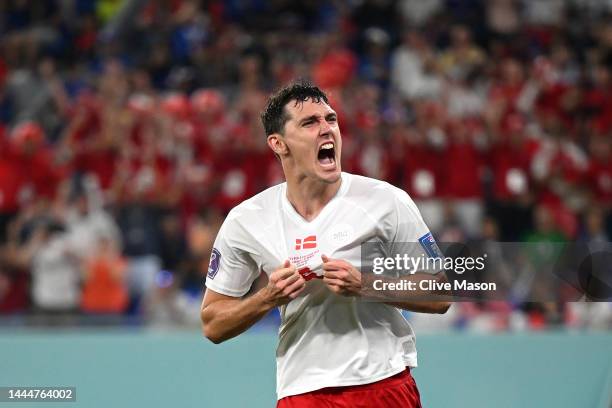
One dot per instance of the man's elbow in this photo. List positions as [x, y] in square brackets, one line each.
[209, 332]
[212, 336]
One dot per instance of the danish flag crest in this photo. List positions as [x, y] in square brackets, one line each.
[310, 242]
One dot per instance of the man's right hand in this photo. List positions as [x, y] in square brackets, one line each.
[284, 285]
[224, 317]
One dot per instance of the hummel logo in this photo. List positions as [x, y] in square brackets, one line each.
[309, 242]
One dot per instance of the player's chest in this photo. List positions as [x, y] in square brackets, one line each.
[337, 236]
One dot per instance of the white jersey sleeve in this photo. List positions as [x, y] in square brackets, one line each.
[411, 234]
[409, 225]
[231, 270]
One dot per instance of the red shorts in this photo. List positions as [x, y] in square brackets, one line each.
[399, 391]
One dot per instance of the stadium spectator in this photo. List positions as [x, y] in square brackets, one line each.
[104, 272]
[56, 277]
[414, 72]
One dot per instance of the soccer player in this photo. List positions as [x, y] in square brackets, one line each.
[335, 349]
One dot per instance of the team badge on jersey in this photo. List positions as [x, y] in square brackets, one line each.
[430, 246]
[215, 262]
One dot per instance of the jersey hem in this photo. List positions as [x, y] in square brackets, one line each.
[343, 383]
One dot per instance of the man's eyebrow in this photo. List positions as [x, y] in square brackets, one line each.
[316, 117]
[308, 118]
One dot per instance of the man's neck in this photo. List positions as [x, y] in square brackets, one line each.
[308, 197]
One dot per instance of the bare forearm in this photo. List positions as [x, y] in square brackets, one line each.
[226, 319]
[422, 307]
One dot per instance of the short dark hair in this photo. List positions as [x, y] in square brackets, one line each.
[274, 115]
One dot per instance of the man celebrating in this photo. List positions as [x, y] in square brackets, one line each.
[305, 235]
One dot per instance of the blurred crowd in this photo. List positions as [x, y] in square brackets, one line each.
[128, 129]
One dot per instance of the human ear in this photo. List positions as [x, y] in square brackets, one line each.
[277, 143]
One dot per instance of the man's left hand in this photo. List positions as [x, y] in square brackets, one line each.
[341, 277]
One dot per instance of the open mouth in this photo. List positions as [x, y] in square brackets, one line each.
[327, 153]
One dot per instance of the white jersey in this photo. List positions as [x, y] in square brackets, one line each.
[325, 340]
